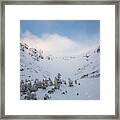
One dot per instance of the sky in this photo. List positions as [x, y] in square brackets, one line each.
[64, 36]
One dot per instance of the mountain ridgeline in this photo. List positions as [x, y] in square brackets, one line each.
[44, 76]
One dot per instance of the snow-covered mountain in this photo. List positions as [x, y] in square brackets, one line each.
[83, 70]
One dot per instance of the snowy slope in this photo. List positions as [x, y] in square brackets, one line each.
[83, 68]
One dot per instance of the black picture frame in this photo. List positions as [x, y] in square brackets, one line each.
[2, 56]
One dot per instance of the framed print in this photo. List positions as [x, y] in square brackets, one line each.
[59, 59]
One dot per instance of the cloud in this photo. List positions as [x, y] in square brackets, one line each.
[54, 44]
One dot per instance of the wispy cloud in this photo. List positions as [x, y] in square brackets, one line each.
[54, 44]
